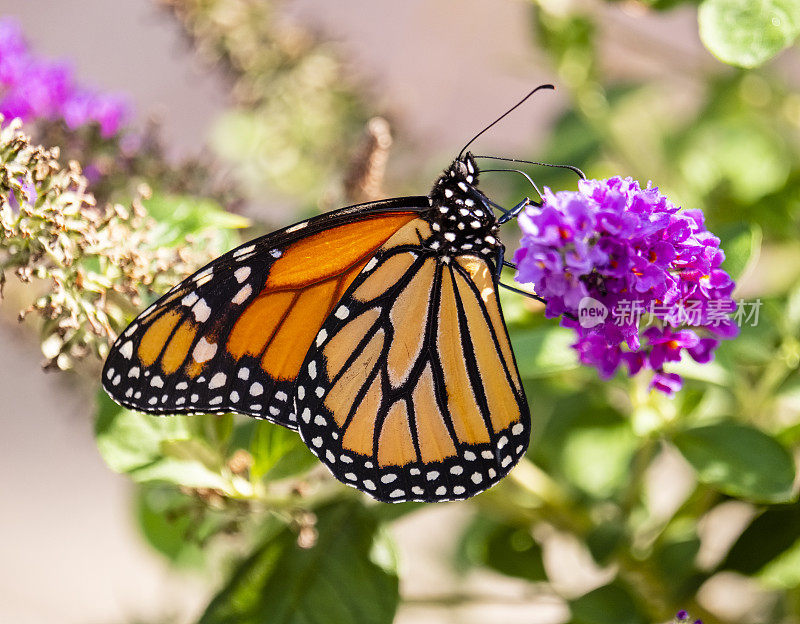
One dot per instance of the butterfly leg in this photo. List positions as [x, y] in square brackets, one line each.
[523, 292]
[514, 212]
[502, 262]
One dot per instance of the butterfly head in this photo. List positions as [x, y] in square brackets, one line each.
[461, 217]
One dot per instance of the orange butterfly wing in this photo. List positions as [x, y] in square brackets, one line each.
[411, 391]
[232, 337]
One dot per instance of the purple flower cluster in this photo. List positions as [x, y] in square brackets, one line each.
[613, 246]
[32, 88]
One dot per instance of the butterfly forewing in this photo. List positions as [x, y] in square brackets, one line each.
[233, 336]
[410, 390]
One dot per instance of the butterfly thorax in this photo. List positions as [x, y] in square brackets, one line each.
[461, 217]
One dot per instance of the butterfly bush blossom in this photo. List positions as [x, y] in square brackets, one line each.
[32, 88]
[637, 278]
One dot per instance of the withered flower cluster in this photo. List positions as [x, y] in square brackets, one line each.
[90, 265]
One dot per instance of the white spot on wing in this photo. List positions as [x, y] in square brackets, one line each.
[201, 311]
[190, 299]
[297, 227]
[243, 250]
[242, 295]
[217, 381]
[242, 274]
[126, 350]
[204, 351]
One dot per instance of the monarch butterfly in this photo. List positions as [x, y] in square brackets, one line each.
[374, 330]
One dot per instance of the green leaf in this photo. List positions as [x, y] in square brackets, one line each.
[129, 440]
[768, 536]
[742, 246]
[510, 550]
[278, 453]
[604, 539]
[544, 351]
[179, 216]
[340, 580]
[739, 151]
[739, 460]
[611, 604]
[674, 555]
[166, 521]
[153, 448]
[597, 459]
[748, 32]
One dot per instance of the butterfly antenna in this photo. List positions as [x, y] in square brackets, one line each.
[572, 168]
[522, 173]
[503, 116]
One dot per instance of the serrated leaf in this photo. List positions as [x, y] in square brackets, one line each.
[748, 32]
[337, 581]
[739, 460]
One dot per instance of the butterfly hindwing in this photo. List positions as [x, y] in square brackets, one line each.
[410, 390]
[232, 337]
